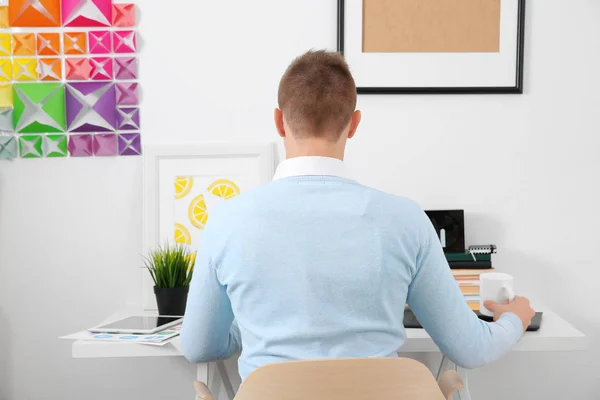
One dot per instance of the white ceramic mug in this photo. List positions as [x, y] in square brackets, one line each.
[497, 287]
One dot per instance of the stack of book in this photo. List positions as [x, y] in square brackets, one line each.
[468, 282]
[466, 268]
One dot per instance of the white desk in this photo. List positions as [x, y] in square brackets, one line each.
[555, 334]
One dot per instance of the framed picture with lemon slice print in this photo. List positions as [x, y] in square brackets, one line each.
[183, 183]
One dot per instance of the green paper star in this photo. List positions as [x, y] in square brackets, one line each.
[30, 146]
[55, 146]
[39, 107]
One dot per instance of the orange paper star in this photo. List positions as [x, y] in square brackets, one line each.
[50, 69]
[34, 13]
[4, 17]
[24, 44]
[48, 44]
[75, 42]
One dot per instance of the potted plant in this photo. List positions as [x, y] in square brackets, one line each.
[171, 268]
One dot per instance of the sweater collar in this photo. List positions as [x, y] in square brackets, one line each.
[315, 166]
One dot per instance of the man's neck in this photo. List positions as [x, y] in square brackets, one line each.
[315, 149]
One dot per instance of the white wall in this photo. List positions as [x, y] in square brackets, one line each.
[524, 167]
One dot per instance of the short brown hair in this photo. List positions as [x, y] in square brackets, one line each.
[317, 95]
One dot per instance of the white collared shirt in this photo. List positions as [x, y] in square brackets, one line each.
[316, 166]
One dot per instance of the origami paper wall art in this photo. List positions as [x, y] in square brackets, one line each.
[24, 44]
[100, 42]
[39, 107]
[34, 13]
[125, 41]
[78, 69]
[25, 69]
[48, 44]
[102, 68]
[124, 15]
[5, 44]
[4, 17]
[127, 94]
[87, 13]
[126, 68]
[80, 145]
[128, 118]
[130, 144]
[54, 146]
[6, 120]
[65, 66]
[91, 107]
[30, 146]
[8, 147]
[6, 96]
[6, 74]
[105, 144]
[50, 69]
[75, 42]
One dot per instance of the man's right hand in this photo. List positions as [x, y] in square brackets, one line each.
[520, 306]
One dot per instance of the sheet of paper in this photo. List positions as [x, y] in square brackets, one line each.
[161, 337]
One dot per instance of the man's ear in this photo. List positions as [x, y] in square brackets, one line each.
[354, 122]
[278, 116]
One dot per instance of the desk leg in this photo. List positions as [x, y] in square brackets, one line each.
[202, 375]
[226, 381]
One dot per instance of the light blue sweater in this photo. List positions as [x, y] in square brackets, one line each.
[321, 267]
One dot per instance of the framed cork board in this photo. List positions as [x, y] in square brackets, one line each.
[433, 46]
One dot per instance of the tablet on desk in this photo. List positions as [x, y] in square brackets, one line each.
[139, 324]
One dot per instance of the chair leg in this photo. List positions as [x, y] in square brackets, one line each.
[464, 393]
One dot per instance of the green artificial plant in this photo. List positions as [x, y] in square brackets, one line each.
[171, 266]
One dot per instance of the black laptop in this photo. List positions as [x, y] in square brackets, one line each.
[410, 320]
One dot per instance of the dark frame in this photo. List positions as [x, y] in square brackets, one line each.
[517, 89]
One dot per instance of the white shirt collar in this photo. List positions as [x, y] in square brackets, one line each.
[315, 166]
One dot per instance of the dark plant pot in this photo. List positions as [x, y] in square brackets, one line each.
[171, 301]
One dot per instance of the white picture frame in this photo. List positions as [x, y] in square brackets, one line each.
[253, 164]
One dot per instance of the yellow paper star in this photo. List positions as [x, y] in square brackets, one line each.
[5, 70]
[6, 96]
[5, 44]
[25, 69]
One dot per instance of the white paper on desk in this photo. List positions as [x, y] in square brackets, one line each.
[159, 344]
[158, 338]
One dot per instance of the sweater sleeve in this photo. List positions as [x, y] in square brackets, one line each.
[439, 305]
[209, 331]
